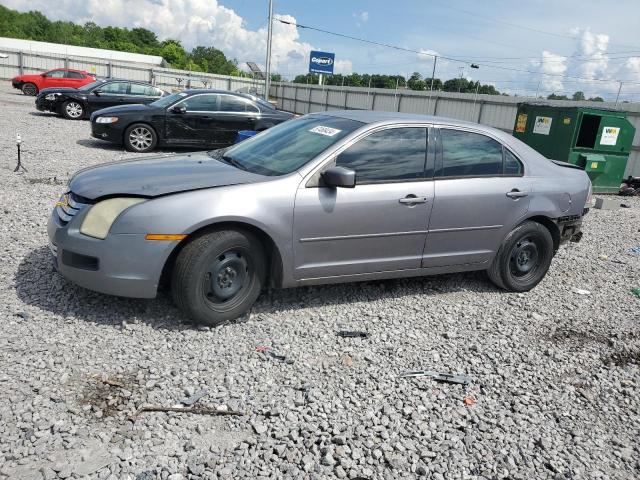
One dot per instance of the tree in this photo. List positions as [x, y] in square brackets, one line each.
[578, 96]
[416, 82]
[553, 96]
[596, 99]
[212, 60]
[173, 53]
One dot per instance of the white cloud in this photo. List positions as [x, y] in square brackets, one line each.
[193, 22]
[592, 48]
[362, 17]
[343, 66]
[552, 65]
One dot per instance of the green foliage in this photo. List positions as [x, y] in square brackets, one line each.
[578, 96]
[35, 26]
[596, 99]
[553, 96]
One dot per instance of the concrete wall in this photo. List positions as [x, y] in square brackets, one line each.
[494, 110]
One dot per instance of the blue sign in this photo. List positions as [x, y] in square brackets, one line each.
[321, 62]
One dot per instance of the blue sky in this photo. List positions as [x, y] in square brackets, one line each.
[586, 39]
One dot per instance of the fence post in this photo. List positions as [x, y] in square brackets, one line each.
[435, 105]
[326, 100]
[480, 111]
[345, 99]
[66, 62]
[151, 79]
[295, 99]
[309, 101]
[373, 100]
[109, 69]
[229, 83]
[399, 100]
[20, 63]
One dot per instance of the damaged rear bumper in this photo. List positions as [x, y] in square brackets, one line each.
[570, 227]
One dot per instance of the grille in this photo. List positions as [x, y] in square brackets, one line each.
[68, 206]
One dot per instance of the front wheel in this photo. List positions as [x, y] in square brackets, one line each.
[72, 110]
[140, 138]
[218, 276]
[30, 89]
[523, 259]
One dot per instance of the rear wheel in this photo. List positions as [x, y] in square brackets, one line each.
[140, 137]
[30, 89]
[72, 110]
[218, 276]
[523, 258]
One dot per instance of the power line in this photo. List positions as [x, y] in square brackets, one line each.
[452, 59]
[514, 25]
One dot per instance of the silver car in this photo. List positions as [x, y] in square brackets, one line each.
[328, 197]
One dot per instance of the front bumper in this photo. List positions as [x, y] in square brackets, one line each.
[106, 131]
[125, 265]
[44, 105]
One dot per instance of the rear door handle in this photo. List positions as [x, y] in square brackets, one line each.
[412, 200]
[515, 193]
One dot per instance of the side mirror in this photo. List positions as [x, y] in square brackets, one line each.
[339, 177]
[43, 75]
[179, 110]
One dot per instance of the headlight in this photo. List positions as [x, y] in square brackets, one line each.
[51, 96]
[101, 216]
[106, 119]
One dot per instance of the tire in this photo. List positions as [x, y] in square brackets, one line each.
[30, 89]
[140, 138]
[523, 259]
[218, 276]
[72, 110]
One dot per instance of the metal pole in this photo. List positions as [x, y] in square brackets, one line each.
[368, 92]
[433, 73]
[267, 80]
[395, 94]
[538, 89]
[476, 96]
[618, 95]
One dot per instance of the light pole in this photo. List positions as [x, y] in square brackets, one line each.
[267, 80]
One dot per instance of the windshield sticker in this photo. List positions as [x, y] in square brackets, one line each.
[328, 131]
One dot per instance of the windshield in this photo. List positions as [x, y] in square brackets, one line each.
[168, 100]
[287, 147]
[89, 86]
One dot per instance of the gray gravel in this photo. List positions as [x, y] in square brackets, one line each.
[555, 373]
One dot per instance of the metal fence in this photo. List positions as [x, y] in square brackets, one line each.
[493, 110]
[23, 62]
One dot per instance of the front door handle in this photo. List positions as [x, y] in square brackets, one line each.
[515, 193]
[412, 200]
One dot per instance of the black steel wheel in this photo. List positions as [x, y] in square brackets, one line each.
[30, 89]
[140, 138]
[72, 110]
[218, 276]
[523, 259]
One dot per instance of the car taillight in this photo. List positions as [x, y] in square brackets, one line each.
[589, 202]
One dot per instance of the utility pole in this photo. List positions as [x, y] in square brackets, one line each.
[433, 73]
[618, 95]
[267, 80]
[460, 82]
[538, 89]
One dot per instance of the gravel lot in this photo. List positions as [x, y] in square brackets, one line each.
[555, 373]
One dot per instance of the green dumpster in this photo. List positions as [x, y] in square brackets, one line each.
[596, 139]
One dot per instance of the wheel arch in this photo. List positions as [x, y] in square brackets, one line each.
[550, 225]
[274, 257]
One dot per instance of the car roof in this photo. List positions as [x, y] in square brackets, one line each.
[67, 70]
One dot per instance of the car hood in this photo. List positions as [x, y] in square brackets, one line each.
[156, 176]
[122, 110]
[44, 91]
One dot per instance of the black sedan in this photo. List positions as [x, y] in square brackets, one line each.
[194, 118]
[76, 104]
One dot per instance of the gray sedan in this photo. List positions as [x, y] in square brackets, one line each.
[328, 197]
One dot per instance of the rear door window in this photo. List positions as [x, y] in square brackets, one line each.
[56, 74]
[230, 103]
[397, 154]
[144, 90]
[468, 154]
[76, 75]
